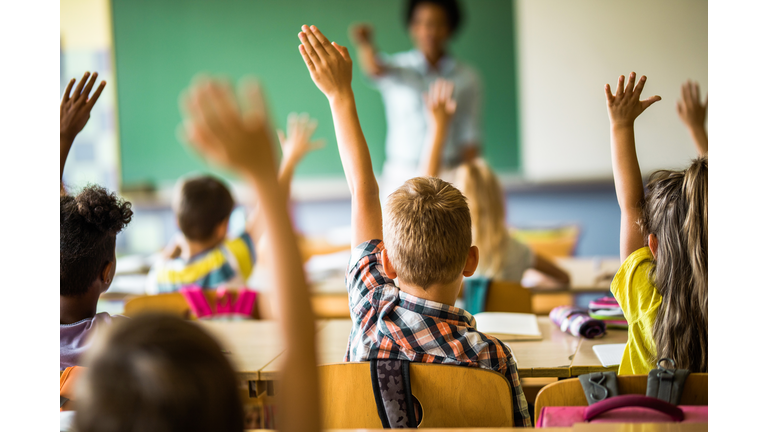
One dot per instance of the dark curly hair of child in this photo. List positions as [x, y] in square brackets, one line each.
[89, 223]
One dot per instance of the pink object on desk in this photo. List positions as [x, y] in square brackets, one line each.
[231, 304]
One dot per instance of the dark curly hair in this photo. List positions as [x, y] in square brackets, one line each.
[89, 223]
[451, 8]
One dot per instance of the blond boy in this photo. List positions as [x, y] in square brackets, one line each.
[427, 232]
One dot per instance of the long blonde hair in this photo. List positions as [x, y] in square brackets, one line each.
[485, 198]
[675, 211]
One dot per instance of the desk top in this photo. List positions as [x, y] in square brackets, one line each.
[578, 427]
[586, 360]
[550, 357]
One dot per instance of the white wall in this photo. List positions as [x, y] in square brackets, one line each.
[569, 50]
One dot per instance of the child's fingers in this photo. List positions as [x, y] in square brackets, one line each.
[309, 48]
[79, 87]
[307, 60]
[89, 87]
[225, 106]
[695, 93]
[630, 91]
[640, 86]
[92, 101]
[281, 137]
[208, 117]
[319, 48]
[706, 101]
[620, 87]
[679, 108]
[254, 105]
[342, 50]
[292, 123]
[311, 126]
[67, 91]
[322, 39]
[608, 94]
[650, 101]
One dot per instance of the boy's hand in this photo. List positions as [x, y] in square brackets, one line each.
[216, 126]
[626, 106]
[75, 109]
[690, 109]
[440, 104]
[329, 63]
[298, 142]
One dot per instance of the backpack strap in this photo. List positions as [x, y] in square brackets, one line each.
[599, 386]
[666, 384]
[392, 390]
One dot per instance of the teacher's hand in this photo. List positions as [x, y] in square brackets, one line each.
[361, 34]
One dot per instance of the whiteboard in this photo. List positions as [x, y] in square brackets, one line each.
[569, 50]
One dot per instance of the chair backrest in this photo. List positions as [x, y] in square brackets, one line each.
[450, 396]
[508, 297]
[170, 303]
[569, 392]
[67, 379]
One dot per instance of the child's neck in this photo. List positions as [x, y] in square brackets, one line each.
[78, 308]
[441, 293]
[191, 248]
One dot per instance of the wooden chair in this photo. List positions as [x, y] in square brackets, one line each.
[569, 392]
[170, 303]
[506, 296]
[450, 396]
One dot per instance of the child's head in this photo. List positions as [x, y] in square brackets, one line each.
[485, 199]
[158, 373]
[427, 232]
[674, 220]
[89, 223]
[203, 205]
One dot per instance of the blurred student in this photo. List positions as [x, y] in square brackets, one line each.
[203, 255]
[427, 232]
[501, 256]
[160, 374]
[662, 284]
[88, 224]
[403, 77]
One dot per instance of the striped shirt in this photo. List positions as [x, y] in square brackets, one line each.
[389, 323]
[230, 263]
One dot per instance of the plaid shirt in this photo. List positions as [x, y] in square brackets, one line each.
[389, 323]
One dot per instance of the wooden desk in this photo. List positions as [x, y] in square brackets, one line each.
[578, 427]
[586, 361]
[550, 357]
[251, 345]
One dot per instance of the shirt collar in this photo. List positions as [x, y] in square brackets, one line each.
[446, 64]
[436, 310]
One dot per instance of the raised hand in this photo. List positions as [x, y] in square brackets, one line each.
[216, 126]
[440, 103]
[690, 109]
[298, 142]
[75, 108]
[361, 34]
[625, 106]
[329, 63]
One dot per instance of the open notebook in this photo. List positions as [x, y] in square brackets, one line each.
[509, 326]
[609, 354]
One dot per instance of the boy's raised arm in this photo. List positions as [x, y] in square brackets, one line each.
[441, 108]
[74, 112]
[623, 108]
[330, 67]
[242, 140]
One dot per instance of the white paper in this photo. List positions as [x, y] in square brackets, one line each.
[505, 323]
[609, 354]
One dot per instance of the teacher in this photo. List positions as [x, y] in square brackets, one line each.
[404, 78]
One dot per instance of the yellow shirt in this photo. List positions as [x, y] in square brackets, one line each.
[640, 302]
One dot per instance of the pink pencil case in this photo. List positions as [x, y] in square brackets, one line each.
[228, 303]
[622, 409]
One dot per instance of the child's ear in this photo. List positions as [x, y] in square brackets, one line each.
[653, 244]
[221, 230]
[107, 272]
[389, 269]
[472, 259]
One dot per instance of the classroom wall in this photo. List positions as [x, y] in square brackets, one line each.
[569, 50]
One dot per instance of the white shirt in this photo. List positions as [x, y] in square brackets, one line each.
[407, 77]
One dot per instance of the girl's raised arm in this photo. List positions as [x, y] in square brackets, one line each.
[623, 108]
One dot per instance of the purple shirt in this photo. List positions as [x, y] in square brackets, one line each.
[75, 338]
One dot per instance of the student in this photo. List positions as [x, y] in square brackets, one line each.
[693, 113]
[203, 255]
[161, 374]
[502, 257]
[89, 222]
[427, 231]
[662, 284]
[403, 77]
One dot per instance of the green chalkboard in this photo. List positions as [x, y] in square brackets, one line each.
[161, 44]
